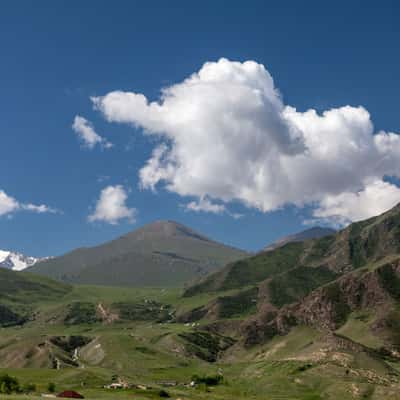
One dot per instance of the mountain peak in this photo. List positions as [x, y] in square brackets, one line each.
[166, 229]
[16, 261]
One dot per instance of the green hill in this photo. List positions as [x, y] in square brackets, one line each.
[163, 253]
[21, 292]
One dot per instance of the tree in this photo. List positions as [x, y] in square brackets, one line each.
[51, 387]
[8, 384]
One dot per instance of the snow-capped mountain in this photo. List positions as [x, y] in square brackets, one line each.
[16, 261]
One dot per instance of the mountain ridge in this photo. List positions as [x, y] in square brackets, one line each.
[315, 232]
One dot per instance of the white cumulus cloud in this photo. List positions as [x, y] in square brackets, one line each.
[224, 133]
[111, 206]
[376, 198]
[9, 205]
[86, 133]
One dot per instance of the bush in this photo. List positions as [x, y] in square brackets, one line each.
[9, 384]
[210, 380]
[51, 387]
[304, 367]
[163, 393]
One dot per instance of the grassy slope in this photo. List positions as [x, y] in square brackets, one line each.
[251, 270]
[26, 287]
[20, 292]
[360, 244]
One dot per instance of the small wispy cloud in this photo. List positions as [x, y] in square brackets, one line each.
[10, 205]
[205, 205]
[88, 136]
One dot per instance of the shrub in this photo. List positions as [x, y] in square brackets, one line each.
[29, 388]
[9, 384]
[304, 367]
[51, 387]
[210, 380]
[163, 393]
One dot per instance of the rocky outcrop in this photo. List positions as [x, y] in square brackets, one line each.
[328, 307]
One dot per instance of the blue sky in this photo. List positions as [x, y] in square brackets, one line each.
[56, 56]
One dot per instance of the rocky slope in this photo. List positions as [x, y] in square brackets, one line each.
[349, 281]
[375, 291]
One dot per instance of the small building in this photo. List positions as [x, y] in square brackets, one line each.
[117, 385]
[142, 387]
[70, 394]
[120, 384]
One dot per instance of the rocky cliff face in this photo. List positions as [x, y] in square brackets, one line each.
[328, 307]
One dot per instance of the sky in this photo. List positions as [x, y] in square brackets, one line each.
[246, 121]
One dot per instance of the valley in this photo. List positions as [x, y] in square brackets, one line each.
[305, 364]
[313, 319]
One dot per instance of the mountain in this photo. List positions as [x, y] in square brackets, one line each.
[311, 233]
[16, 261]
[345, 284]
[163, 253]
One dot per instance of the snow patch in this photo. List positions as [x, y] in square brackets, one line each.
[16, 261]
